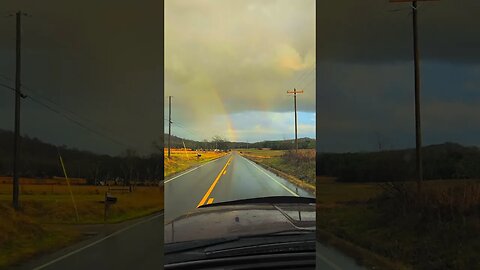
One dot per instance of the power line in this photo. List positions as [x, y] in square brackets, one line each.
[65, 109]
[302, 76]
[79, 123]
[302, 85]
[38, 101]
[8, 87]
[59, 111]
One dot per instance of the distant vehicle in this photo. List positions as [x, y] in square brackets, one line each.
[268, 232]
[216, 150]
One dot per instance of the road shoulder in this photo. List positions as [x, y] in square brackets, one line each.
[91, 235]
[292, 179]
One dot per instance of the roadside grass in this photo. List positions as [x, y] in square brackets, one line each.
[440, 229]
[181, 160]
[47, 219]
[331, 193]
[300, 165]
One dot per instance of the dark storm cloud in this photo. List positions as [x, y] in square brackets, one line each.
[228, 59]
[100, 59]
[369, 31]
[359, 104]
[365, 74]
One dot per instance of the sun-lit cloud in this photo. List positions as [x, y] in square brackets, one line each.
[227, 57]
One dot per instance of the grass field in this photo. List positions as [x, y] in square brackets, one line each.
[440, 230]
[299, 167]
[181, 160]
[47, 219]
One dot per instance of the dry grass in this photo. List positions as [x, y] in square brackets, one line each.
[181, 160]
[436, 229]
[42, 181]
[442, 200]
[53, 204]
[257, 153]
[47, 216]
[298, 168]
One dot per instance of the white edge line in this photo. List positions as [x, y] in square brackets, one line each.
[295, 194]
[96, 242]
[191, 170]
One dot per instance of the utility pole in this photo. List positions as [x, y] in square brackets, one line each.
[416, 60]
[16, 140]
[169, 123]
[295, 92]
[418, 128]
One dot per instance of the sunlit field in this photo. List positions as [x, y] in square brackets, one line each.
[181, 159]
[47, 219]
[297, 167]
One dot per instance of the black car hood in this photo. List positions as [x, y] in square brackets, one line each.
[230, 220]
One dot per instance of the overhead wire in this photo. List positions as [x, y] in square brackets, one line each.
[67, 117]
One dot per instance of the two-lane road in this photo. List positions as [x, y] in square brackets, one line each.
[234, 177]
[231, 177]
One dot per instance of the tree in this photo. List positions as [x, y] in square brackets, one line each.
[220, 143]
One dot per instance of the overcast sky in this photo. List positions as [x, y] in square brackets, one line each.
[98, 59]
[229, 64]
[365, 91]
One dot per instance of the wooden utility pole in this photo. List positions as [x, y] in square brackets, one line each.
[169, 123]
[16, 140]
[295, 92]
[416, 60]
[418, 127]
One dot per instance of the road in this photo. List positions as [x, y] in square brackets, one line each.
[231, 177]
[139, 244]
[135, 245]
[234, 177]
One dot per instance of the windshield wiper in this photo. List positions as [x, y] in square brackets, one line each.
[183, 246]
[269, 200]
[290, 232]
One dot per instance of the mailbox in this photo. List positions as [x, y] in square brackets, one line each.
[109, 199]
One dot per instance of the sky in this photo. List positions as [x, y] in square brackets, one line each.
[98, 62]
[365, 87]
[229, 64]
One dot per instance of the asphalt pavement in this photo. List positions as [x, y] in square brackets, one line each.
[231, 177]
[135, 244]
[139, 244]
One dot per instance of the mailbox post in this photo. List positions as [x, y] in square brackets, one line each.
[109, 199]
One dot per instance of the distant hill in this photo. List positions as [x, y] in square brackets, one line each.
[304, 143]
[442, 161]
[40, 159]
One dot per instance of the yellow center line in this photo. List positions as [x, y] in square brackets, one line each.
[210, 201]
[204, 199]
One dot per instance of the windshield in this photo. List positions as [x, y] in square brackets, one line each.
[240, 139]
[231, 176]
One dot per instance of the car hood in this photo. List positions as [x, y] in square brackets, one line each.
[240, 220]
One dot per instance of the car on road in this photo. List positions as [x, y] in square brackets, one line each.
[269, 232]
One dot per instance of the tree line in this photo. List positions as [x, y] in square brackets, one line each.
[218, 142]
[41, 160]
[443, 161]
